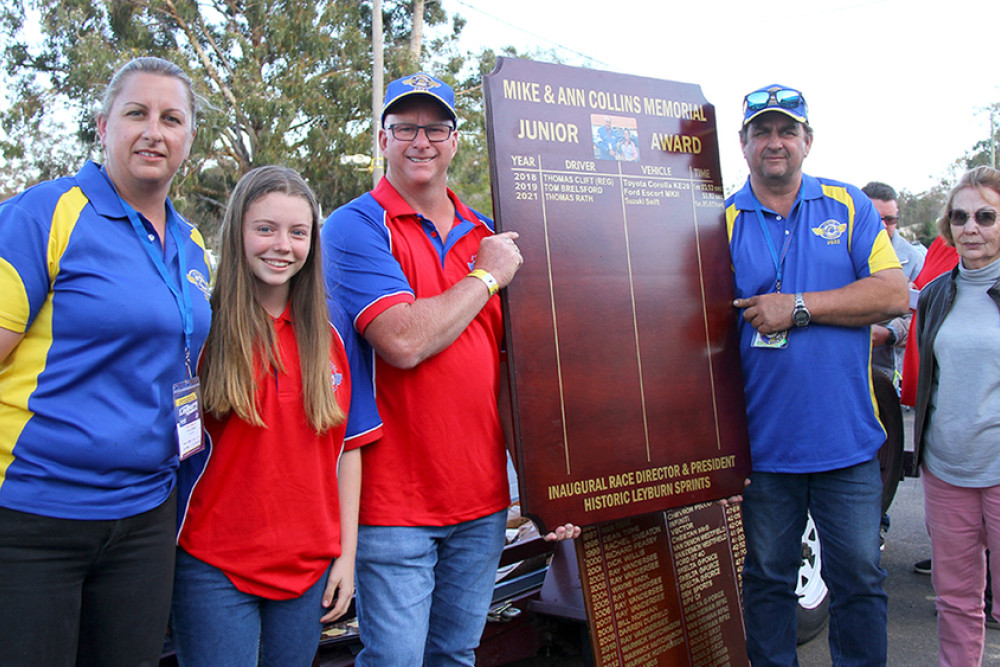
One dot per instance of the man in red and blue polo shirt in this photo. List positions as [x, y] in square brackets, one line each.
[418, 271]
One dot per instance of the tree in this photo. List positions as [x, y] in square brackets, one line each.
[919, 213]
[284, 81]
[984, 151]
[470, 168]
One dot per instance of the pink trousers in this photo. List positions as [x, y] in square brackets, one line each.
[962, 522]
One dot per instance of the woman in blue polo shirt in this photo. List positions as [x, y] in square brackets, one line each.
[103, 312]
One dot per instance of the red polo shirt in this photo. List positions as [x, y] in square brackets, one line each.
[441, 460]
[265, 510]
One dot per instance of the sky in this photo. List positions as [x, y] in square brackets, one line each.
[894, 89]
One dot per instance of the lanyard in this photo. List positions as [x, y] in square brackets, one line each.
[181, 294]
[779, 261]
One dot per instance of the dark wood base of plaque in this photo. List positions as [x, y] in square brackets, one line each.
[663, 588]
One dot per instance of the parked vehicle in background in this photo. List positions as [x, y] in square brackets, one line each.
[813, 595]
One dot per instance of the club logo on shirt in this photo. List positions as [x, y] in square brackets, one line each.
[472, 263]
[831, 230]
[335, 375]
[197, 278]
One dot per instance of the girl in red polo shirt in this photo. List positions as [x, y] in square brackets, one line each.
[269, 527]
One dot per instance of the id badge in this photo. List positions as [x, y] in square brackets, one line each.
[776, 341]
[187, 412]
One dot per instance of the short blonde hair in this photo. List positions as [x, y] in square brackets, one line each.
[149, 65]
[981, 178]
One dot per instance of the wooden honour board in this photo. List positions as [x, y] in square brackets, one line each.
[620, 333]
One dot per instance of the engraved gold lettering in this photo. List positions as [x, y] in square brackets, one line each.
[571, 97]
[675, 143]
[521, 90]
[547, 130]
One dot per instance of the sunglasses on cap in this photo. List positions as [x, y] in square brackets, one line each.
[985, 217]
[783, 97]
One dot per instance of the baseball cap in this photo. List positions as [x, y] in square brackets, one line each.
[420, 84]
[775, 98]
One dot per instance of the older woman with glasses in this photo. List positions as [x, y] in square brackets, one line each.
[957, 429]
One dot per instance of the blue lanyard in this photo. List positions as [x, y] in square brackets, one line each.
[779, 261]
[181, 294]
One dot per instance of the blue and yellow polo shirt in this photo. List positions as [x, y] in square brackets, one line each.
[810, 406]
[87, 429]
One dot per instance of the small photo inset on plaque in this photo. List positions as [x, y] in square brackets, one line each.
[615, 137]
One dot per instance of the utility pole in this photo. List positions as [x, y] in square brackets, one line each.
[417, 35]
[993, 136]
[377, 86]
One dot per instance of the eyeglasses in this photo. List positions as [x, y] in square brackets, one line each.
[890, 219]
[985, 217]
[409, 131]
[784, 97]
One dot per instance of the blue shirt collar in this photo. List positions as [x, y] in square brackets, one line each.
[101, 194]
[810, 188]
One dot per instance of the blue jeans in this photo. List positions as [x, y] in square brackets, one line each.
[846, 507]
[423, 592]
[216, 625]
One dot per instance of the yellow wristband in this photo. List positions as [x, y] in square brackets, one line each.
[487, 278]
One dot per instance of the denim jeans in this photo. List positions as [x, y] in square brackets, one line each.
[216, 625]
[75, 592]
[423, 592]
[846, 507]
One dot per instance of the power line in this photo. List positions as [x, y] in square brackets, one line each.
[532, 34]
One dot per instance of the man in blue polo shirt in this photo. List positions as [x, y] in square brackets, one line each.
[813, 269]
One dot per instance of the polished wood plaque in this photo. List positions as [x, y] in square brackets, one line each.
[663, 588]
[620, 330]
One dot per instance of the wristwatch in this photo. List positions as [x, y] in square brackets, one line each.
[800, 316]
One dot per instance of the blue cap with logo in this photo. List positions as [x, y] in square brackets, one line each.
[420, 84]
[775, 98]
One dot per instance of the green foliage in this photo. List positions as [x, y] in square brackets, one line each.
[918, 213]
[470, 169]
[283, 81]
[984, 151]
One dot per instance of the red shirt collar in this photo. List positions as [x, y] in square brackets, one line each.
[286, 315]
[397, 207]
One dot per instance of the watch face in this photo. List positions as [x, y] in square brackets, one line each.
[800, 317]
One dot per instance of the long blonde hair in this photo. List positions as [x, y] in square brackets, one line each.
[241, 327]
